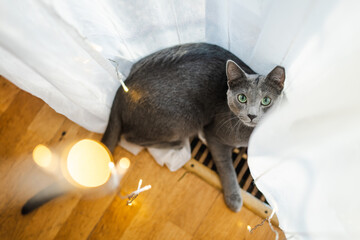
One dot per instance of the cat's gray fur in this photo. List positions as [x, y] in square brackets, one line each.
[177, 92]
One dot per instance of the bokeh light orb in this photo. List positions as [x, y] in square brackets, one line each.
[42, 156]
[89, 163]
[124, 163]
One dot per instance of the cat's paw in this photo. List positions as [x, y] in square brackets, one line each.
[234, 201]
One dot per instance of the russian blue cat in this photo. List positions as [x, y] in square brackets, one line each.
[177, 92]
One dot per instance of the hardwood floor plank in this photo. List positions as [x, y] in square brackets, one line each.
[55, 213]
[36, 133]
[118, 216]
[189, 194]
[45, 222]
[221, 223]
[14, 168]
[8, 92]
[171, 231]
[147, 207]
[23, 177]
[27, 179]
[15, 120]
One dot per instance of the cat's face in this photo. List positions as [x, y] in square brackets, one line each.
[250, 96]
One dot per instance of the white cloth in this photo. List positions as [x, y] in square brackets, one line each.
[173, 159]
[304, 156]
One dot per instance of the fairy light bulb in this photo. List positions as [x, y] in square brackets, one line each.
[89, 163]
[42, 156]
[111, 165]
[124, 163]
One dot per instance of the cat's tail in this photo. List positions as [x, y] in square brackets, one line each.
[52, 191]
[112, 133]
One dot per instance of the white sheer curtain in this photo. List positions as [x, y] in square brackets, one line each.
[59, 51]
[306, 156]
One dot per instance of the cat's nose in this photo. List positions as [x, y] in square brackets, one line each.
[251, 116]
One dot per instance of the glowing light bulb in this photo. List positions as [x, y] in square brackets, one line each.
[124, 163]
[89, 163]
[42, 156]
[126, 89]
[122, 166]
[111, 165]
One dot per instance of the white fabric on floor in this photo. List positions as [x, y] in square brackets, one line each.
[304, 155]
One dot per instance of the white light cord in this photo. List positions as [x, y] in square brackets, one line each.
[271, 226]
[135, 193]
[120, 77]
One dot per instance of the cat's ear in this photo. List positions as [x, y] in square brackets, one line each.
[234, 73]
[277, 75]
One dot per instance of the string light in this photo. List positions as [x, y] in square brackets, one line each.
[118, 76]
[272, 213]
[131, 197]
[271, 226]
[268, 219]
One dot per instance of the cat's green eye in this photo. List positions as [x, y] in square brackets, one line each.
[265, 101]
[242, 98]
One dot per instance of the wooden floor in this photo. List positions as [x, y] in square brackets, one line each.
[177, 207]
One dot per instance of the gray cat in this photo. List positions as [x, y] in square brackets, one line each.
[177, 92]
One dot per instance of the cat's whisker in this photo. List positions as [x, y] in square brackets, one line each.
[235, 127]
[238, 125]
[224, 124]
